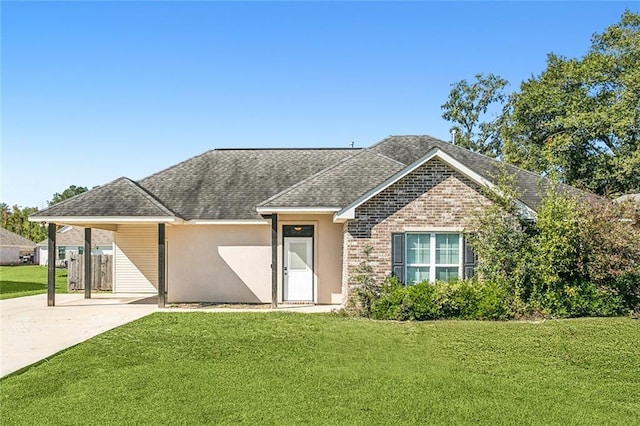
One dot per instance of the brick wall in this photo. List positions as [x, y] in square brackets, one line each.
[432, 196]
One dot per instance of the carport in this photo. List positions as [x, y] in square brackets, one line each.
[51, 262]
[115, 206]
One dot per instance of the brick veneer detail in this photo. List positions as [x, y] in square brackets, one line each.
[433, 195]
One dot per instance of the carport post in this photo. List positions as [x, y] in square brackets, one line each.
[87, 263]
[161, 266]
[51, 266]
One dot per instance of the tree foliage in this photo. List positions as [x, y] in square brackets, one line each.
[468, 109]
[71, 191]
[16, 220]
[578, 258]
[578, 120]
[581, 117]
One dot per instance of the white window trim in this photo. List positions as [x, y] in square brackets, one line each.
[432, 255]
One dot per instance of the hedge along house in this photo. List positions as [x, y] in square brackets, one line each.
[290, 225]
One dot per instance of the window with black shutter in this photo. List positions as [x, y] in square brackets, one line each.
[431, 256]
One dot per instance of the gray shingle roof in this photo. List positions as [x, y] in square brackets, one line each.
[340, 184]
[74, 236]
[228, 184]
[408, 149]
[122, 197]
[11, 239]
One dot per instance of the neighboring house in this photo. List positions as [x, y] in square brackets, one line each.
[70, 239]
[210, 228]
[12, 246]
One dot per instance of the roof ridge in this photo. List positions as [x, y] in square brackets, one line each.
[387, 157]
[210, 151]
[402, 136]
[290, 149]
[150, 197]
[309, 178]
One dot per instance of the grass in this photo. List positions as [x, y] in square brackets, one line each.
[27, 280]
[279, 368]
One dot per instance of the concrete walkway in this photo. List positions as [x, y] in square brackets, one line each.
[31, 331]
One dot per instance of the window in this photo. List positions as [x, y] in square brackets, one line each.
[418, 253]
[61, 252]
[80, 250]
[431, 256]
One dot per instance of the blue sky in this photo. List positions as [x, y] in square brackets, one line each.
[92, 91]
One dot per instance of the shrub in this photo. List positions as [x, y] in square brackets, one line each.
[364, 289]
[397, 302]
[466, 299]
[628, 287]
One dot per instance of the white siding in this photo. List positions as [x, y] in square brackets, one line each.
[43, 255]
[135, 266]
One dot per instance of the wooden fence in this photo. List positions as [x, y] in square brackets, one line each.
[101, 272]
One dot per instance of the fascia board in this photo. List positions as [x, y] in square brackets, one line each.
[105, 219]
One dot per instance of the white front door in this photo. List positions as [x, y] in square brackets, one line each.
[298, 269]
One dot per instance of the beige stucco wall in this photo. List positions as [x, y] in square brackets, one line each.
[327, 253]
[135, 259]
[219, 263]
[223, 263]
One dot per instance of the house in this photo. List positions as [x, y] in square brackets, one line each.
[12, 246]
[70, 239]
[292, 225]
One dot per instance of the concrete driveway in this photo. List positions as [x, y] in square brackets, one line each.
[31, 331]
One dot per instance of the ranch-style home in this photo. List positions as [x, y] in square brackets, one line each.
[291, 225]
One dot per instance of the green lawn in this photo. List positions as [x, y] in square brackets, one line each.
[27, 280]
[279, 368]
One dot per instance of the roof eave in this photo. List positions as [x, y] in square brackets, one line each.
[296, 210]
[79, 220]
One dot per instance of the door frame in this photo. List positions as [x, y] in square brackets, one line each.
[314, 260]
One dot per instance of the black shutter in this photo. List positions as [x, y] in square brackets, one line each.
[397, 256]
[470, 260]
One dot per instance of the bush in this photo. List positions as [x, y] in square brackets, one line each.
[466, 299]
[364, 289]
[628, 287]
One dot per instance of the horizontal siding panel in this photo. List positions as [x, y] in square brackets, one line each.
[136, 259]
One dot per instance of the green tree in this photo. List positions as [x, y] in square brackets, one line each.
[468, 109]
[16, 220]
[72, 191]
[580, 118]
